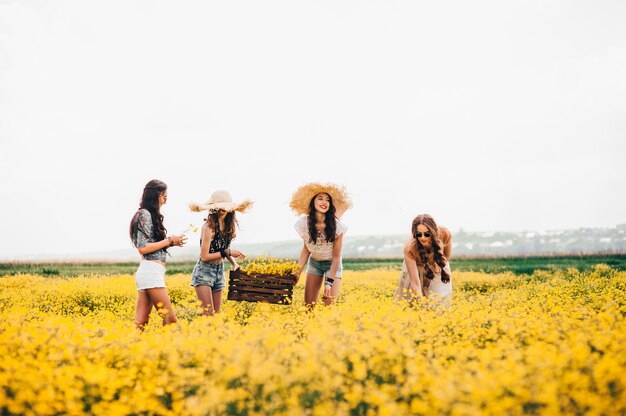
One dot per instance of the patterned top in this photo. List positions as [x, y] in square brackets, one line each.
[219, 242]
[145, 235]
[322, 250]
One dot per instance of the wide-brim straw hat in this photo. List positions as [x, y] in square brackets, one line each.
[301, 198]
[221, 200]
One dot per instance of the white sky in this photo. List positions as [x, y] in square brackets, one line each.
[490, 115]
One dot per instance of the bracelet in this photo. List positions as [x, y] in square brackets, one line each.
[171, 241]
[329, 282]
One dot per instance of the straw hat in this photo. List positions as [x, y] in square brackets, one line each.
[301, 199]
[221, 200]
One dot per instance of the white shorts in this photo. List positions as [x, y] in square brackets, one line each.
[150, 274]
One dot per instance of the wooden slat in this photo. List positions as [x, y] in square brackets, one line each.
[262, 290]
[257, 295]
[260, 282]
[239, 283]
[256, 298]
[265, 281]
[263, 277]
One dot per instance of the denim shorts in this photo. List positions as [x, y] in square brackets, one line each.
[322, 267]
[208, 274]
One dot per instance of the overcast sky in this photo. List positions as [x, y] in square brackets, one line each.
[489, 115]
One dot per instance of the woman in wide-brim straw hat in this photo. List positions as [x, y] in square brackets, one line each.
[218, 232]
[321, 206]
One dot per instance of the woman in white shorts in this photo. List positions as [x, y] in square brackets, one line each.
[150, 238]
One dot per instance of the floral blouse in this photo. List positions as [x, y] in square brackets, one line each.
[145, 235]
[322, 250]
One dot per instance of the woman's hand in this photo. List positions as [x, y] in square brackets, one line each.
[236, 254]
[297, 275]
[326, 291]
[178, 240]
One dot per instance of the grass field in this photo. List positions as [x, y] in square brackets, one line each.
[553, 342]
[517, 265]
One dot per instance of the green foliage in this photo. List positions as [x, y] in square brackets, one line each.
[517, 265]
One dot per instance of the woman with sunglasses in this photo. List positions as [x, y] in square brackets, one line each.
[426, 267]
[149, 236]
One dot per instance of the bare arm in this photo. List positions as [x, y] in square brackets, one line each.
[304, 257]
[334, 265]
[415, 284]
[232, 261]
[207, 237]
[337, 245]
[232, 255]
[152, 247]
[447, 249]
[174, 240]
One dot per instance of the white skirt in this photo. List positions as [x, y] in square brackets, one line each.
[150, 274]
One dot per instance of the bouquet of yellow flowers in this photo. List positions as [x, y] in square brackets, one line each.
[270, 265]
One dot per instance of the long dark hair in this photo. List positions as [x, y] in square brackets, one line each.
[230, 222]
[150, 201]
[330, 221]
[437, 248]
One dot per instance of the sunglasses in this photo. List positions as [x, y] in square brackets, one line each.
[419, 235]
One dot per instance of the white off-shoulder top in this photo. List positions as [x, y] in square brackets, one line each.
[322, 250]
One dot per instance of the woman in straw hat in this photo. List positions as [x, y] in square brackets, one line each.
[217, 233]
[321, 206]
[426, 267]
[149, 236]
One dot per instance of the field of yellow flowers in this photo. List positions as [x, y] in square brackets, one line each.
[550, 343]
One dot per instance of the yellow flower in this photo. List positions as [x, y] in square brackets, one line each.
[550, 343]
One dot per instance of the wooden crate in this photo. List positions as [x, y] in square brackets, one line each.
[260, 287]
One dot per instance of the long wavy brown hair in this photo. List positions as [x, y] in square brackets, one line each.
[150, 201]
[330, 221]
[436, 248]
[230, 224]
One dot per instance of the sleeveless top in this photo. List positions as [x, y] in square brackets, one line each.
[145, 235]
[219, 242]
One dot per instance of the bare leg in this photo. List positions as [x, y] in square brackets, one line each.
[312, 289]
[160, 299]
[205, 295]
[144, 307]
[217, 300]
[334, 293]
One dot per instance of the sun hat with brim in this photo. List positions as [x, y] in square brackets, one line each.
[301, 199]
[221, 200]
